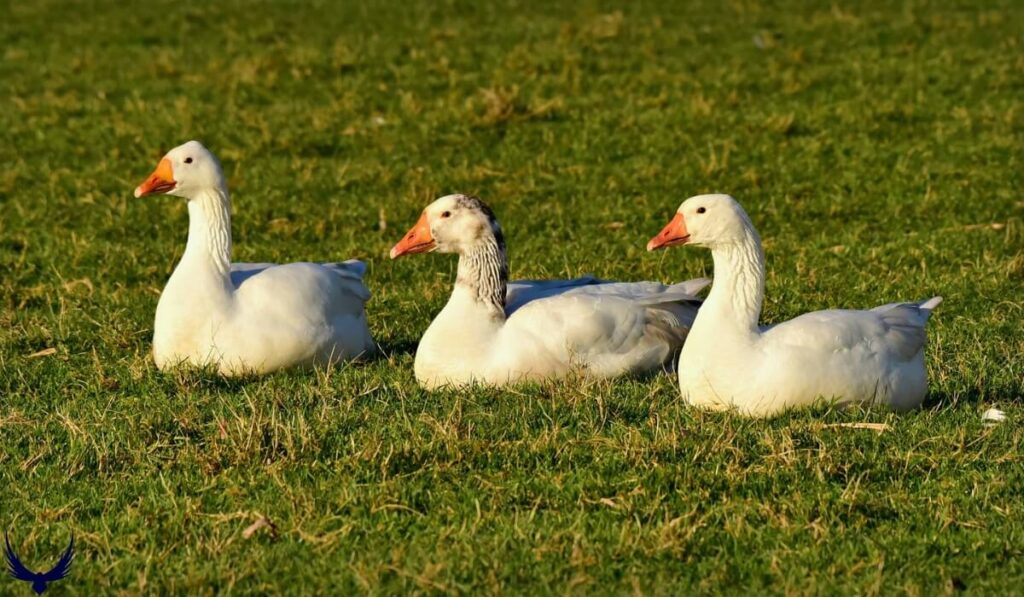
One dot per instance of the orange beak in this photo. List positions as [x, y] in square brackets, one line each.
[674, 233]
[160, 181]
[417, 240]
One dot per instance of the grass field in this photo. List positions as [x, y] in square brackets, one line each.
[877, 146]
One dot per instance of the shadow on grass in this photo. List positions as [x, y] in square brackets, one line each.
[190, 379]
[395, 348]
[937, 400]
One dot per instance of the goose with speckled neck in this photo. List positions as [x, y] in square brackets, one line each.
[494, 332]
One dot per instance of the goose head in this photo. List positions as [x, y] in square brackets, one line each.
[705, 221]
[184, 171]
[451, 224]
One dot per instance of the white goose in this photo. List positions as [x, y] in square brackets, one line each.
[247, 317]
[730, 362]
[533, 330]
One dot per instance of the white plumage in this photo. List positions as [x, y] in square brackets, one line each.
[536, 329]
[245, 317]
[729, 361]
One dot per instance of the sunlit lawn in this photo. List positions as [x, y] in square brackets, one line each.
[876, 146]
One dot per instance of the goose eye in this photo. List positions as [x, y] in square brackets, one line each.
[701, 210]
[188, 160]
[446, 214]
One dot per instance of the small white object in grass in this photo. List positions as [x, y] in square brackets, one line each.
[42, 353]
[993, 416]
[262, 522]
[879, 427]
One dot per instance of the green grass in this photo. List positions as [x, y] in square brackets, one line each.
[877, 148]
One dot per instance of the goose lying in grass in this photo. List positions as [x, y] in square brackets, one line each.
[729, 361]
[494, 333]
[247, 317]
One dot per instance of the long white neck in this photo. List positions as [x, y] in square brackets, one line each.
[209, 232]
[738, 290]
[200, 290]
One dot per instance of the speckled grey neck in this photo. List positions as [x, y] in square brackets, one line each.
[484, 270]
